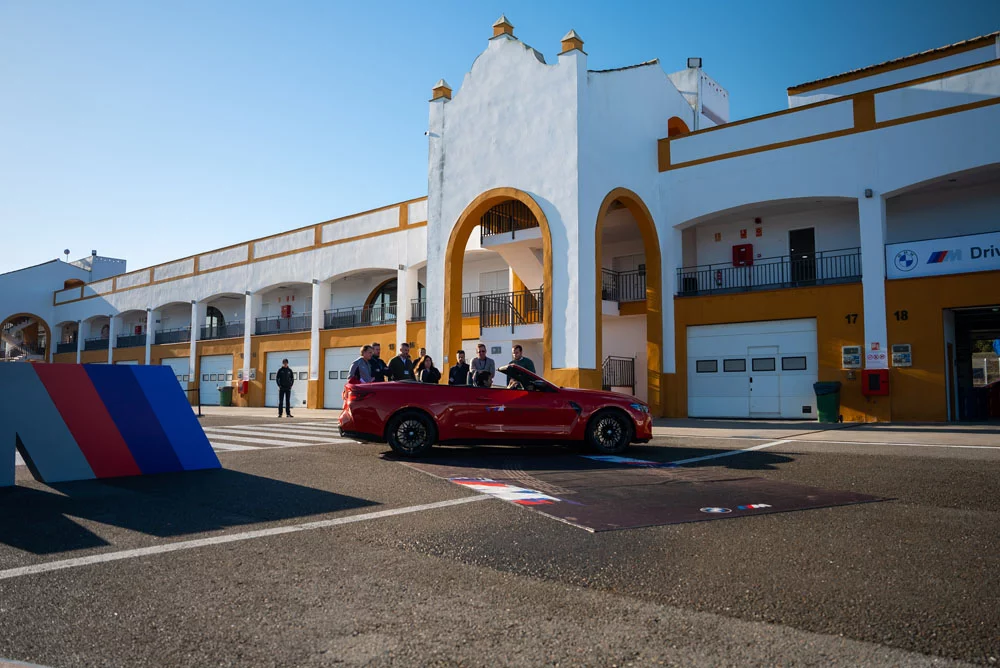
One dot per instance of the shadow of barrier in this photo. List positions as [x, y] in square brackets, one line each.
[81, 422]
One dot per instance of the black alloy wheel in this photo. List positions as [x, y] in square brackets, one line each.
[609, 432]
[411, 434]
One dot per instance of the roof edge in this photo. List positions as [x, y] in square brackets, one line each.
[895, 64]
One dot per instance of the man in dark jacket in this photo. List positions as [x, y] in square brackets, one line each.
[285, 378]
[379, 368]
[401, 366]
[459, 374]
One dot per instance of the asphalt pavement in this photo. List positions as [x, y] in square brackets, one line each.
[307, 549]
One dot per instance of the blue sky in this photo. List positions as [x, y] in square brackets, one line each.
[153, 130]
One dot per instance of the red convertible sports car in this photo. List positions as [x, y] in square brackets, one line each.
[411, 416]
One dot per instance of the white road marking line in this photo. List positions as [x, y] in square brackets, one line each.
[730, 453]
[333, 424]
[216, 438]
[817, 440]
[297, 445]
[296, 432]
[231, 446]
[240, 433]
[63, 564]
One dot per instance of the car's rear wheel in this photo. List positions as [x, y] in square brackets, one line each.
[411, 433]
[609, 432]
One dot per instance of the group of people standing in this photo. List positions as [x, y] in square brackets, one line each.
[370, 368]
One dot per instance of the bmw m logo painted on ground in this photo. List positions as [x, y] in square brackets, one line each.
[615, 459]
[505, 491]
[716, 511]
[905, 260]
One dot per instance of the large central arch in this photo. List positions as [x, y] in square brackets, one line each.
[43, 328]
[454, 261]
[654, 291]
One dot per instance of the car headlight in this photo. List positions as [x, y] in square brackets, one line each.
[642, 408]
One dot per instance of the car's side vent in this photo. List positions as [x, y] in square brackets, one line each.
[575, 406]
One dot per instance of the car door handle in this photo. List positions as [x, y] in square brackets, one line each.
[484, 398]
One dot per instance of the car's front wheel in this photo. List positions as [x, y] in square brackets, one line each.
[411, 433]
[609, 432]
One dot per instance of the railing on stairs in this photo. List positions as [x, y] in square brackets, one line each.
[510, 309]
[506, 218]
[618, 372]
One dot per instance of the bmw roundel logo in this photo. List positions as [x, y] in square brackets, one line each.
[716, 510]
[905, 260]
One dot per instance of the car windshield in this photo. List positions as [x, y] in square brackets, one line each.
[523, 377]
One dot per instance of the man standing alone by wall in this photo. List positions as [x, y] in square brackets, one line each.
[285, 378]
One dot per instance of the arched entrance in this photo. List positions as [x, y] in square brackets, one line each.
[24, 337]
[455, 258]
[653, 288]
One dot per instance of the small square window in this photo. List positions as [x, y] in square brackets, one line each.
[734, 366]
[204, 377]
[272, 376]
[707, 366]
[229, 375]
[303, 375]
[344, 375]
[793, 363]
[214, 376]
[332, 375]
[762, 364]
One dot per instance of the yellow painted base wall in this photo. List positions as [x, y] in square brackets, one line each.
[919, 393]
[829, 305]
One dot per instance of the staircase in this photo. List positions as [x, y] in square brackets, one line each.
[12, 346]
[525, 258]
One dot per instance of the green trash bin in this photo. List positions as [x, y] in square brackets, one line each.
[226, 395]
[828, 400]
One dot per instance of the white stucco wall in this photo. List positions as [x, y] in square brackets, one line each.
[973, 57]
[626, 337]
[224, 257]
[358, 225]
[174, 269]
[29, 290]
[948, 213]
[965, 88]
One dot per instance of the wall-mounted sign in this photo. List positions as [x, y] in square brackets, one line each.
[901, 354]
[253, 374]
[851, 356]
[937, 257]
[239, 374]
[876, 357]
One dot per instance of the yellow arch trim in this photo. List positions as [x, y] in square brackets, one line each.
[48, 330]
[454, 261]
[654, 291]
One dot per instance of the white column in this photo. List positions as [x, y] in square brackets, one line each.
[112, 331]
[320, 302]
[871, 216]
[195, 334]
[672, 254]
[150, 322]
[250, 311]
[406, 292]
[79, 340]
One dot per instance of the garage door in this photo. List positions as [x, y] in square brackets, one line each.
[753, 370]
[337, 364]
[298, 362]
[216, 371]
[181, 367]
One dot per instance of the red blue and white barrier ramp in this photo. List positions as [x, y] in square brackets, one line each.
[80, 422]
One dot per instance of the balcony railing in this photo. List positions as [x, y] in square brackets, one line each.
[359, 316]
[506, 218]
[618, 372]
[96, 344]
[230, 330]
[277, 324]
[623, 286]
[179, 335]
[470, 305]
[130, 341]
[68, 347]
[510, 309]
[822, 268]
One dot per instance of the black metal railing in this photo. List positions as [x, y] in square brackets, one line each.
[618, 372]
[178, 335]
[68, 347]
[359, 316]
[822, 268]
[623, 286]
[470, 305]
[506, 218]
[510, 309]
[15, 351]
[131, 341]
[230, 330]
[96, 344]
[276, 324]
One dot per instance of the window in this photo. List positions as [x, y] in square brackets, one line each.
[793, 363]
[707, 366]
[494, 281]
[332, 375]
[734, 366]
[762, 364]
[636, 261]
[214, 319]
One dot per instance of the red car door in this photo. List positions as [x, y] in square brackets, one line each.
[474, 413]
[539, 414]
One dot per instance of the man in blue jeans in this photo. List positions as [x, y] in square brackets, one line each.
[285, 379]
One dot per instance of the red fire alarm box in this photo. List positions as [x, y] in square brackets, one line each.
[875, 382]
[244, 387]
[743, 255]
[286, 311]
